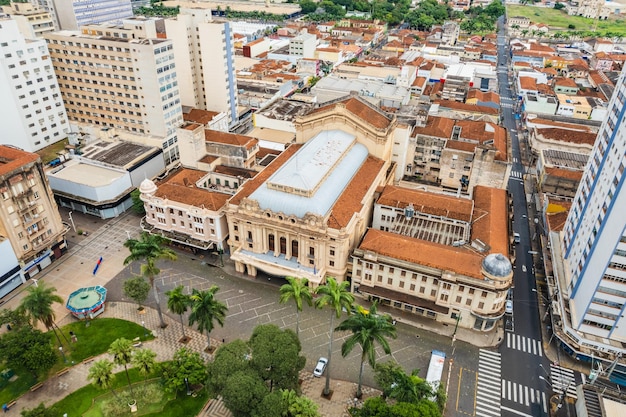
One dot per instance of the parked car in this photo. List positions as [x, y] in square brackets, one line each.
[516, 238]
[508, 307]
[320, 367]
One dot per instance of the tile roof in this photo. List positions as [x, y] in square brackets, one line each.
[473, 108]
[565, 135]
[528, 83]
[229, 138]
[575, 175]
[12, 158]
[426, 202]
[491, 218]
[203, 117]
[440, 127]
[362, 110]
[485, 96]
[547, 122]
[565, 82]
[421, 252]
[556, 214]
[181, 187]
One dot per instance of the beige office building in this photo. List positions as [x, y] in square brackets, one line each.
[111, 77]
[29, 217]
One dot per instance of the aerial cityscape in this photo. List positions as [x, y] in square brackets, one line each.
[312, 208]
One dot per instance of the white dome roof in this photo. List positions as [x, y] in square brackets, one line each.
[147, 187]
[497, 265]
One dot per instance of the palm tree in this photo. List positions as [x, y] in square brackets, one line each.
[122, 351]
[298, 290]
[205, 309]
[367, 328]
[336, 296]
[177, 302]
[37, 305]
[410, 388]
[101, 375]
[150, 249]
[145, 361]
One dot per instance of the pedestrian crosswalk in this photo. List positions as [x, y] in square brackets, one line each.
[521, 394]
[563, 380]
[488, 388]
[506, 105]
[524, 344]
[517, 174]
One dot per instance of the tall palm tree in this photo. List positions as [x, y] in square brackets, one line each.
[297, 289]
[101, 375]
[205, 309]
[177, 302]
[335, 296]
[367, 328]
[37, 305]
[150, 248]
[145, 361]
[122, 351]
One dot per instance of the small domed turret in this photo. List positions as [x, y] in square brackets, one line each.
[497, 265]
[147, 187]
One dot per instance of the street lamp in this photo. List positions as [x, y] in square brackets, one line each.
[62, 354]
[72, 221]
[128, 234]
[544, 371]
[145, 331]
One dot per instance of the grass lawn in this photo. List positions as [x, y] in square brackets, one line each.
[92, 341]
[81, 402]
[559, 19]
[96, 338]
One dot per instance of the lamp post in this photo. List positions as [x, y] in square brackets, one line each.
[544, 371]
[72, 221]
[62, 354]
[145, 331]
[128, 234]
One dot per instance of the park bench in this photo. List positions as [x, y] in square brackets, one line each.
[88, 360]
[36, 387]
[63, 371]
[137, 342]
[11, 404]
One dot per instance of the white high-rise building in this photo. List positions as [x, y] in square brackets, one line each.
[592, 285]
[33, 21]
[72, 14]
[33, 115]
[205, 60]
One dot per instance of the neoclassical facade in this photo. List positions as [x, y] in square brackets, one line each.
[307, 210]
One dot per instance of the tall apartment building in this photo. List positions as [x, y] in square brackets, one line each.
[110, 77]
[205, 58]
[33, 21]
[72, 14]
[29, 217]
[592, 281]
[33, 115]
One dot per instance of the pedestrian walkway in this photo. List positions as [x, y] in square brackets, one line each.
[524, 344]
[521, 394]
[563, 379]
[488, 388]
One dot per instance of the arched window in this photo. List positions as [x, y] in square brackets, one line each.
[283, 246]
[294, 248]
[270, 242]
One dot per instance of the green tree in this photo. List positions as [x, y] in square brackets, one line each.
[205, 309]
[101, 375]
[122, 351]
[185, 364]
[145, 361]
[385, 375]
[336, 297]
[137, 288]
[14, 318]
[276, 356]
[367, 329]
[178, 302]
[40, 411]
[229, 358]
[28, 347]
[137, 207]
[307, 6]
[37, 304]
[243, 393]
[298, 290]
[298, 406]
[150, 248]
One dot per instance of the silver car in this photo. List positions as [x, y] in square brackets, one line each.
[320, 367]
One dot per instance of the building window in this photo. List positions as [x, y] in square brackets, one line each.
[283, 245]
[271, 242]
[312, 252]
[401, 284]
[389, 281]
[433, 292]
[332, 252]
[380, 278]
[412, 287]
[468, 302]
[481, 305]
[458, 299]
[422, 290]
[331, 263]
[294, 248]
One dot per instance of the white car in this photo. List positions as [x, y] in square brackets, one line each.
[320, 367]
[508, 307]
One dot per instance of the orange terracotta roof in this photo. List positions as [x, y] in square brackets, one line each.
[203, 117]
[528, 83]
[481, 132]
[426, 202]
[556, 214]
[419, 82]
[570, 136]
[208, 159]
[422, 252]
[568, 174]
[491, 213]
[351, 199]
[362, 110]
[11, 159]
[440, 127]
[486, 96]
[181, 187]
[565, 82]
[229, 138]
[547, 122]
[457, 105]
